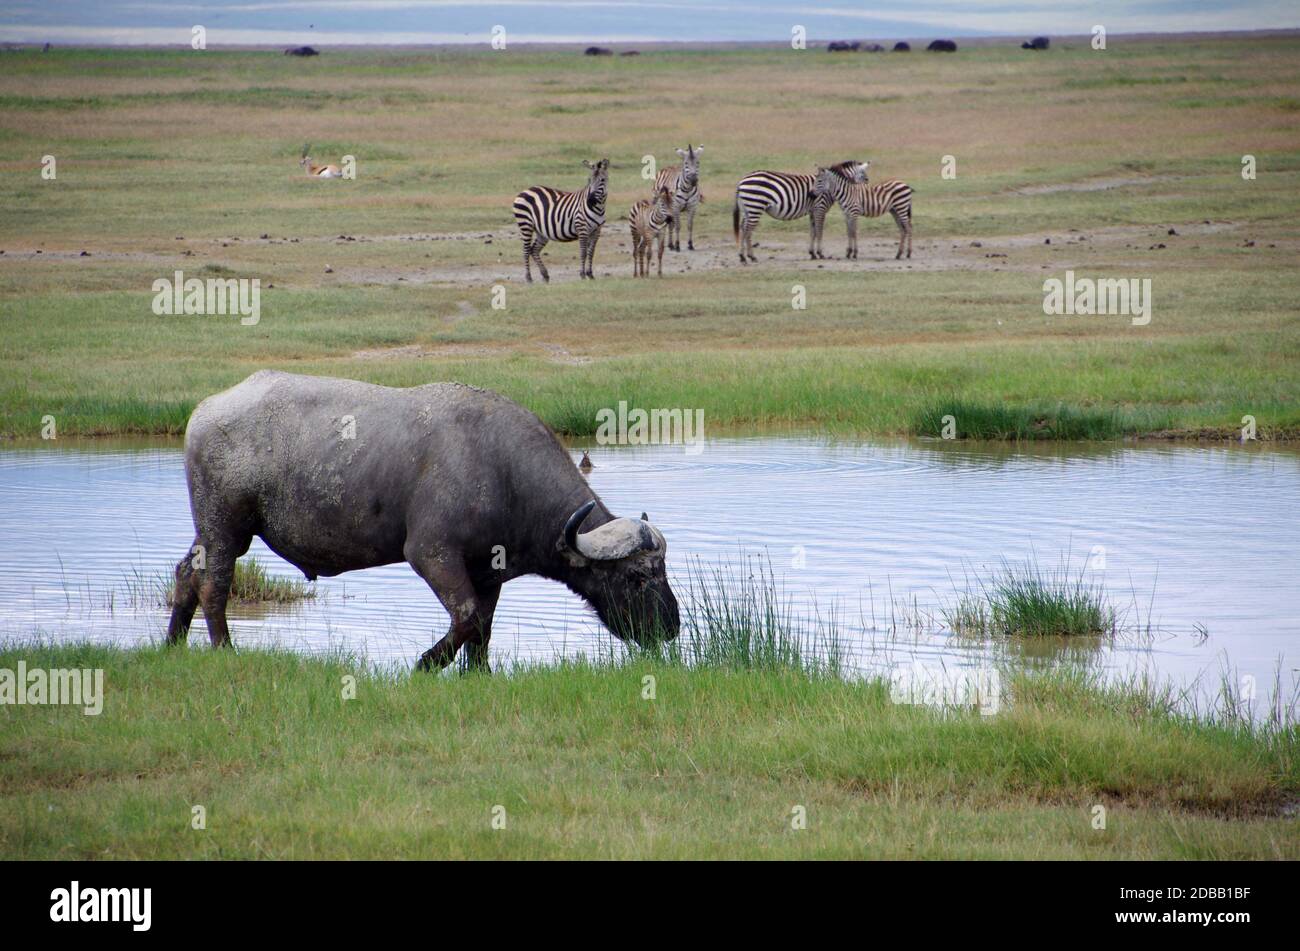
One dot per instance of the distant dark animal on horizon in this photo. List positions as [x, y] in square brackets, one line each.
[901, 47]
[630, 53]
[1037, 43]
[301, 51]
[597, 51]
[873, 48]
[842, 46]
[942, 46]
[444, 477]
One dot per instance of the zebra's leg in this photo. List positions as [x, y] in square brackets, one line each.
[852, 251]
[582, 256]
[661, 256]
[750, 227]
[591, 252]
[812, 235]
[903, 230]
[908, 219]
[690, 229]
[538, 244]
[528, 251]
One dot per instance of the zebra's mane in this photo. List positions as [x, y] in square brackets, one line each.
[843, 170]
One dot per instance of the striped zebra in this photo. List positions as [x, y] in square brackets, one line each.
[787, 196]
[548, 214]
[648, 218]
[683, 181]
[859, 198]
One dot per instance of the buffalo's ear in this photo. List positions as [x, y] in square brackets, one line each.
[645, 517]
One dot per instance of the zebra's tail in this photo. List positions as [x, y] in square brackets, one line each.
[735, 220]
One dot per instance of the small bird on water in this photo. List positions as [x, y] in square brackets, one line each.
[585, 465]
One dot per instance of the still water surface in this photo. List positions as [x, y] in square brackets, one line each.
[1202, 544]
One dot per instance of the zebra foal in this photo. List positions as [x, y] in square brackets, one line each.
[649, 218]
[860, 199]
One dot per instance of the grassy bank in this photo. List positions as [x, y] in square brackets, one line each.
[580, 764]
[169, 161]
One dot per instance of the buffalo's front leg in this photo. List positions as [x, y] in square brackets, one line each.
[471, 616]
[475, 655]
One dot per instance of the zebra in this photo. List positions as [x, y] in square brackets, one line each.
[683, 181]
[859, 198]
[783, 195]
[648, 218]
[548, 214]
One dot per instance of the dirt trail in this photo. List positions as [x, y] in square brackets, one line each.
[878, 242]
[614, 256]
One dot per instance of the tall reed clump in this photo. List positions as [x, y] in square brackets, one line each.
[736, 618]
[1000, 421]
[1027, 600]
[254, 584]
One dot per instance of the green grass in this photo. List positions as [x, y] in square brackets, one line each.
[156, 145]
[955, 419]
[634, 759]
[1030, 601]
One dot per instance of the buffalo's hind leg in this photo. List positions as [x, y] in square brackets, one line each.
[185, 596]
[214, 581]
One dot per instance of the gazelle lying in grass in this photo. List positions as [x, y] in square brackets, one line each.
[318, 171]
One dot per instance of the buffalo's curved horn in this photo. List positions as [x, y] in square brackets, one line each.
[617, 538]
[575, 520]
[645, 517]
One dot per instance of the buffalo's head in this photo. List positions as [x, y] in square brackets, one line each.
[619, 568]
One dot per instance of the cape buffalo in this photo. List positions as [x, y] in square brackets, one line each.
[466, 486]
